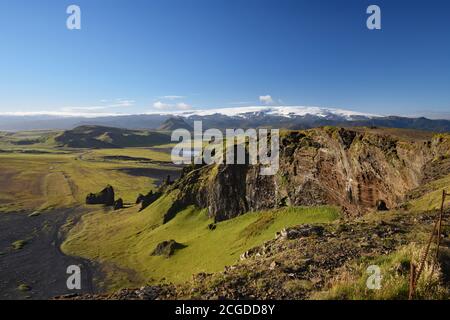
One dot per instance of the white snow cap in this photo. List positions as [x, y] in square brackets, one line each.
[288, 112]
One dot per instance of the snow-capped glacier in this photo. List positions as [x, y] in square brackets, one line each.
[282, 111]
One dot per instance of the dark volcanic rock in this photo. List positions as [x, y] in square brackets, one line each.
[167, 248]
[223, 192]
[167, 181]
[148, 199]
[301, 231]
[140, 198]
[118, 204]
[106, 197]
[176, 207]
[212, 226]
[381, 205]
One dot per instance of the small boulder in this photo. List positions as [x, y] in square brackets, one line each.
[212, 226]
[140, 198]
[167, 248]
[274, 265]
[301, 231]
[118, 204]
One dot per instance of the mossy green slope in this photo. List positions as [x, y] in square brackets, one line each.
[127, 239]
[432, 199]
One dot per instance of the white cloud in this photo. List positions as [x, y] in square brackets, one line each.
[170, 106]
[241, 102]
[118, 103]
[173, 97]
[266, 99]
[87, 114]
[183, 106]
[160, 105]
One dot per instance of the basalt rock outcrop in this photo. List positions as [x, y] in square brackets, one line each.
[358, 170]
[167, 248]
[105, 197]
[148, 199]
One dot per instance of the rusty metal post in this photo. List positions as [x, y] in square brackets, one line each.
[425, 254]
[415, 274]
[438, 241]
[412, 284]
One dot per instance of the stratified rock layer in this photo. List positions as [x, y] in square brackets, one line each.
[354, 169]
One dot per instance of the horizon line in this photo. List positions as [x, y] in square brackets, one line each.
[211, 111]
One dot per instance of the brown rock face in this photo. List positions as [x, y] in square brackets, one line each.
[221, 189]
[354, 169]
[350, 169]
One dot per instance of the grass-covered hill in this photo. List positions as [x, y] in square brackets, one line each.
[95, 137]
[125, 240]
[175, 123]
[204, 235]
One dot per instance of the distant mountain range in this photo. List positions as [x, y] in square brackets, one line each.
[174, 123]
[105, 137]
[245, 117]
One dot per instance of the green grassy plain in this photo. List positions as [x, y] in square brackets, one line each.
[138, 153]
[43, 182]
[37, 175]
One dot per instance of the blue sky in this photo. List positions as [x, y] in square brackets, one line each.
[143, 56]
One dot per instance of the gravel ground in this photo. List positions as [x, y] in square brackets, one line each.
[38, 269]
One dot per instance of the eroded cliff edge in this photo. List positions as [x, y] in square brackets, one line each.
[356, 169]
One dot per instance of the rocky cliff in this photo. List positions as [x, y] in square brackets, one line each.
[357, 169]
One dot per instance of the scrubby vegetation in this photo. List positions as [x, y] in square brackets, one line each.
[351, 283]
[19, 244]
[24, 287]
